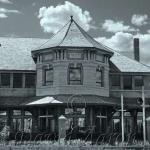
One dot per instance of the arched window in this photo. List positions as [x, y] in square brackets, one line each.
[75, 74]
[100, 76]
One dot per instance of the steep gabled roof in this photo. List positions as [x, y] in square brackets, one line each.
[72, 35]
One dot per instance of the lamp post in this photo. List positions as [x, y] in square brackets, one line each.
[141, 101]
[122, 119]
[143, 107]
[122, 110]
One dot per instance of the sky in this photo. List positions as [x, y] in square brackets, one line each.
[112, 22]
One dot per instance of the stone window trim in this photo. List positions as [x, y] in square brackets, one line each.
[100, 70]
[45, 69]
[73, 66]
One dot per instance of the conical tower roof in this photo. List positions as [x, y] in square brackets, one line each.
[72, 35]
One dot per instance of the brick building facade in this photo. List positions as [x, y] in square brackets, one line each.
[72, 75]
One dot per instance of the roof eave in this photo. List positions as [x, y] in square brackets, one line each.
[37, 51]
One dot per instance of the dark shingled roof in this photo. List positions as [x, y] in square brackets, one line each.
[15, 53]
[72, 35]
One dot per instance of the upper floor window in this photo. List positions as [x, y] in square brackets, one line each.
[100, 76]
[17, 80]
[75, 74]
[48, 75]
[29, 80]
[115, 81]
[5, 80]
[138, 80]
[127, 82]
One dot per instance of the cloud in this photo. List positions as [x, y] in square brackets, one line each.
[120, 41]
[53, 18]
[139, 20]
[116, 26]
[123, 43]
[2, 15]
[6, 1]
[4, 10]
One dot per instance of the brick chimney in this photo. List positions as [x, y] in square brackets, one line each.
[136, 49]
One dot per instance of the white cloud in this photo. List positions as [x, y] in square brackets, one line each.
[2, 15]
[123, 43]
[120, 41]
[4, 10]
[139, 20]
[53, 18]
[6, 1]
[116, 26]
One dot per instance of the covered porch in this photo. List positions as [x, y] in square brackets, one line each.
[85, 114]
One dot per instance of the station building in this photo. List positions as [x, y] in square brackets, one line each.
[73, 75]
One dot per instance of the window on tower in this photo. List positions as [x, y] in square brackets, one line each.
[48, 75]
[100, 76]
[75, 74]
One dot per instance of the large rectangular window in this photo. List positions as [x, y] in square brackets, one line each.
[138, 82]
[115, 81]
[75, 74]
[127, 82]
[16, 120]
[48, 76]
[47, 122]
[5, 80]
[100, 76]
[17, 80]
[29, 80]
